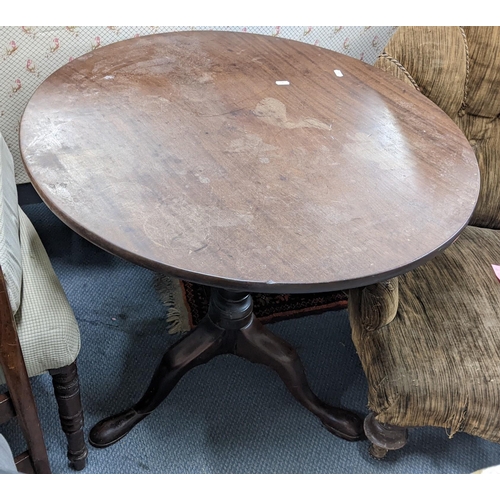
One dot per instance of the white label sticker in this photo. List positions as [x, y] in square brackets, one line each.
[338, 72]
[282, 82]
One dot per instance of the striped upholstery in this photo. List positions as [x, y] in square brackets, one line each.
[438, 361]
[459, 70]
[429, 341]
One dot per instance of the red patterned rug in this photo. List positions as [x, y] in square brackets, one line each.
[188, 302]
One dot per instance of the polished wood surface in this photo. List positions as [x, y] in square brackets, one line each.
[67, 391]
[180, 153]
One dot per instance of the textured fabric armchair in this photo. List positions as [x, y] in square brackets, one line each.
[429, 341]
[38, 331]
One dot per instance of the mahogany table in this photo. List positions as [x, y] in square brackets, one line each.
[250, 164]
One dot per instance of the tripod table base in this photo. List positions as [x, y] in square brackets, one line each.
[230, 327]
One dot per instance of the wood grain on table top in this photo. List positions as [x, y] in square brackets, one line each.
[179, 152]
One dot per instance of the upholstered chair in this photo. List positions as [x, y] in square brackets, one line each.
[38, 332]
[429, 341]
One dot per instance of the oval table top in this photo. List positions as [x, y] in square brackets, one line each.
[248, 162]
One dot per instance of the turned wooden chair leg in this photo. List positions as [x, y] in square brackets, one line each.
[383, 437]
[67, 392]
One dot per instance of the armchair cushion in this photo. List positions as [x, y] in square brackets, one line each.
[438, 362]
[46, 325]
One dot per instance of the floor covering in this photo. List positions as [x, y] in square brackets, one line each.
[226, 417]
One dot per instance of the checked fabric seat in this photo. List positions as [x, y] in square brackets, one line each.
[429, 341]
[38, 332]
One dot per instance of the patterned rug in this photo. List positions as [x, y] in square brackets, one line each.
[187, 303]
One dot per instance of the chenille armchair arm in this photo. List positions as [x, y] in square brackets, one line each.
[429, 346]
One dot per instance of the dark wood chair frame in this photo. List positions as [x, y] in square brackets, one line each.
[19, 400]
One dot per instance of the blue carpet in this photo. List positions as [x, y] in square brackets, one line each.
[228, 416]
